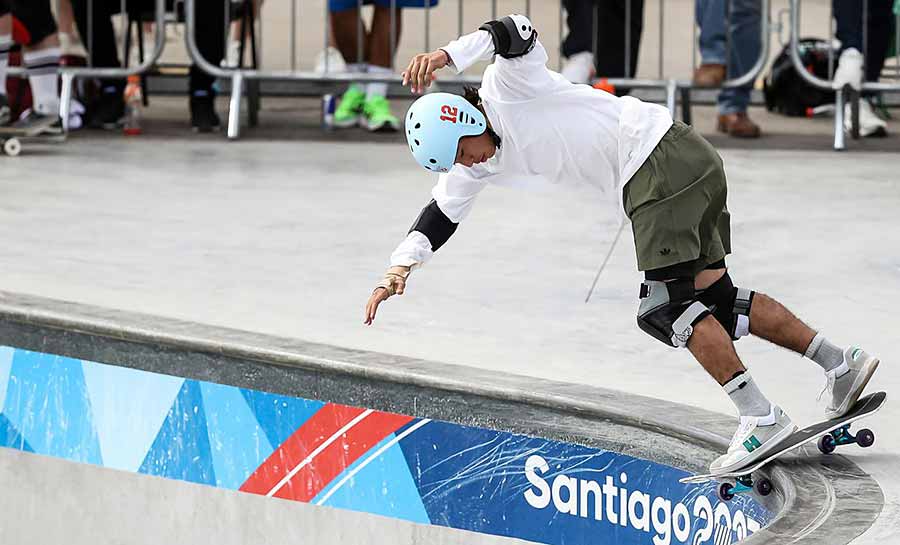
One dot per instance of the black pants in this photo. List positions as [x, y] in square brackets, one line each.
[35, 16]
[610, 61]
[210, 33]
[848, 15]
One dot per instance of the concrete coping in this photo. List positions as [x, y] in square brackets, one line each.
[817, 498]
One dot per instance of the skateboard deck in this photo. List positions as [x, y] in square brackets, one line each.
[833, 432]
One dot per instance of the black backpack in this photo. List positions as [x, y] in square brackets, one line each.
[786, 92]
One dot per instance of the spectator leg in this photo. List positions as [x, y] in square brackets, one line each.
[579, 17]
[41, 55]
[710, 16]
[101, 47]
[345, 30]
[880, 26]
[210, 42]
[613, 59]
[611, 52]
[378, 44]
[745, 49]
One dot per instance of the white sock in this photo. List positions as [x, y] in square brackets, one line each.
[746, 396]
[829, 356]
[43, 68]
[6, 44]
[357, 68]
[377, 89]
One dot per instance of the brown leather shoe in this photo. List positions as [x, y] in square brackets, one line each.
[709, 75]
[738, 125]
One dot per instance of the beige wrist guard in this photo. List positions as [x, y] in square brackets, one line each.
[394, 280]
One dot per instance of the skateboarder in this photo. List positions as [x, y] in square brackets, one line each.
[527, 123]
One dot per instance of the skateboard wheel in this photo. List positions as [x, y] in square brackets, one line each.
[763, 487]
[725, 492]
[865, 438]
[827, 444]
[12, 147]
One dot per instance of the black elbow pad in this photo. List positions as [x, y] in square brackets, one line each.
[513, 35]
[435, 225]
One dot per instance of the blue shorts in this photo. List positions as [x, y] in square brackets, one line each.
[341, 5]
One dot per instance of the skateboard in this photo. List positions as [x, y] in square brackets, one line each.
[831, 433]
[11, 139]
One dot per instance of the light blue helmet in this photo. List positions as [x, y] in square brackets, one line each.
[434, 125]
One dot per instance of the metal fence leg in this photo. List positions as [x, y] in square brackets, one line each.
[671, 99]
[65, 99]
[234, 107]
[853, 97]
[839, 144]
[253, 102]
[686, 105]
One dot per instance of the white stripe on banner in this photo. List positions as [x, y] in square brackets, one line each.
[316, 452]
[378, 453]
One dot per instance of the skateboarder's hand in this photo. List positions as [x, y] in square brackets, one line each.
[420, 72]
[394, 283]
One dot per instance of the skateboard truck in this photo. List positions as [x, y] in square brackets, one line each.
[742, 484]
[842, 436]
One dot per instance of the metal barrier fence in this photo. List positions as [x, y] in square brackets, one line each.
[69, 74]
[842, 94]
[671, 86]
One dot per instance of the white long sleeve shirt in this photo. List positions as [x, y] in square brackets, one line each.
[551, 131]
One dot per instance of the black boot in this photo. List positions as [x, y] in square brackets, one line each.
[109, 109]
[203, 111]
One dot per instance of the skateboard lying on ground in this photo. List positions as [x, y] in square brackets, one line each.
[831, 434]
[11, 139]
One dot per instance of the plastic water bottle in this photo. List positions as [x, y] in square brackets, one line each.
[134, 101]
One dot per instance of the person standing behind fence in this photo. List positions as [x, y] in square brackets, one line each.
[367, 106]
[41, 60]
[730, 52]
[852, 69]
[108, 110]
[613, 60]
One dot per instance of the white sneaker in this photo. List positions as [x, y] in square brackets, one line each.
[755, 437]
[870, 125]
[846, 383]
[849, 70]
[579, 68]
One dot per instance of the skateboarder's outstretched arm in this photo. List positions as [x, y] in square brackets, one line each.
[452, 199]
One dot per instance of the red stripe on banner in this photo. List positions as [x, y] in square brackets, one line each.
[315, 431]
[340, 454]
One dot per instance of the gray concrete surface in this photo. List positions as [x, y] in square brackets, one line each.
[288, 238]
[48, 500]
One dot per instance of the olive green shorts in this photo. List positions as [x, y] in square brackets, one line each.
[676, 203]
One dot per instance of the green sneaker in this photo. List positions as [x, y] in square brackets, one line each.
[347, 113]
[377, 115]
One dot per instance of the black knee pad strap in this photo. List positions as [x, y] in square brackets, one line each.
[728, 304]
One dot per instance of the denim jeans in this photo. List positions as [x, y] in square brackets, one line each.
[739, 52]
